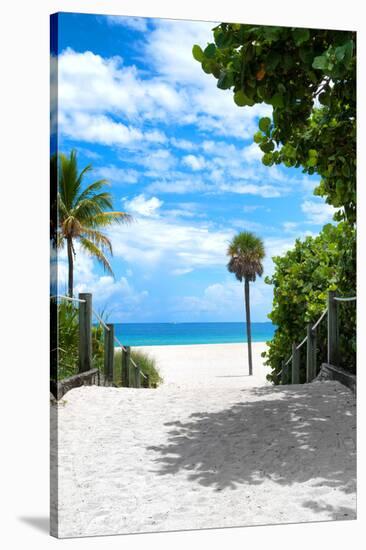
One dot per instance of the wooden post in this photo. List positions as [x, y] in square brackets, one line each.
[283, 373]
[314, 362]
[85, 332]
[333, 342]
[129, 373]
[109, 352]
[295, 365]
[309, 353]
[123, 379]
[126, 379]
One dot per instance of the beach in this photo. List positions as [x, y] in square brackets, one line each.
[211, 447]
[209, 365]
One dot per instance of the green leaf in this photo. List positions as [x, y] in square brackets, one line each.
[320, 62]
[264, 124]
[207, 66]
[277, 101]
[272, 61]
[258, 137]
[267, 159]
[197, 53]
[225, 80]
[210, 51]
[241, 99]
[267, 147]
[300, 36]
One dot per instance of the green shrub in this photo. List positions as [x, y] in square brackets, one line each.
[146, 363]
[68, 341]
[301, 281]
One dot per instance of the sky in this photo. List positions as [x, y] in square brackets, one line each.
[179, 157]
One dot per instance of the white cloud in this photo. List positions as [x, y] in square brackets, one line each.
[90, 83]
[103, 287]
[179, 183]
[98, 129]
[179, 91]
[289, 226]
[170, 245]
[135, 23]
[157, 162]
[225, 301]
[184, 144]
[318, 212]
[142, 206]
[194, 162]
[244, 188]
[169, 47]
[117, 175]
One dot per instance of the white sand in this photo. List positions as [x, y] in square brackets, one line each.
[220, 365]
[206, 450]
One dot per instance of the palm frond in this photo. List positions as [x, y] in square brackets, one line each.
[97, 238]
[108, 218]
[89, 191]
[68, 178]
[247, 252]
[94, 251]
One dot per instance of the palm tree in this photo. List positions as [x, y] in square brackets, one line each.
[82, 212]
[246, 252]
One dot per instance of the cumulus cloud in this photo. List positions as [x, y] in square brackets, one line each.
[142, 206]
[136, 23]
[118, 176]
[100, 129]
[194, 162]
[318, 212]
[103, 287]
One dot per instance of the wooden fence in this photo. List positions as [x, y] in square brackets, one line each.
[131, 374]
[290, 372]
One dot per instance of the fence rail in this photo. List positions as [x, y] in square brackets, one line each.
[311, 338]
[131, 373]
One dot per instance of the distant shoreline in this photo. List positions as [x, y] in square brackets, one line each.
[190, 334]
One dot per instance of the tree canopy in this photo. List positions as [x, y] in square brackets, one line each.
[308, 76]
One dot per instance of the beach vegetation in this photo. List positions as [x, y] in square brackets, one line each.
[146, 363]
[301, 280]
[68, 341]
[83, 211]
[246, 252]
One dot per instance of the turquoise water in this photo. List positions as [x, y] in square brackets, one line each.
[167, 334]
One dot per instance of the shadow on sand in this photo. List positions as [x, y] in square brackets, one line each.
[287, 435]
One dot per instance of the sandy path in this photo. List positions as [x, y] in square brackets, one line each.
[220, 365]
[135, 460]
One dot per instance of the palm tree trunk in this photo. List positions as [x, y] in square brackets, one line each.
[71, 266]
[249, 331]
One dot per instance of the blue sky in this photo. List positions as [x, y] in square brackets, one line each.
[179, 156]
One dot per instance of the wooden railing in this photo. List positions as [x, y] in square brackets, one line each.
[331, 313]
[131, 373]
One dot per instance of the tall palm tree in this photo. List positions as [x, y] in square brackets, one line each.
[82, 212]
[246, 252]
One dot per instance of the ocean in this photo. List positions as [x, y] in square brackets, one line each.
[169, 334]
